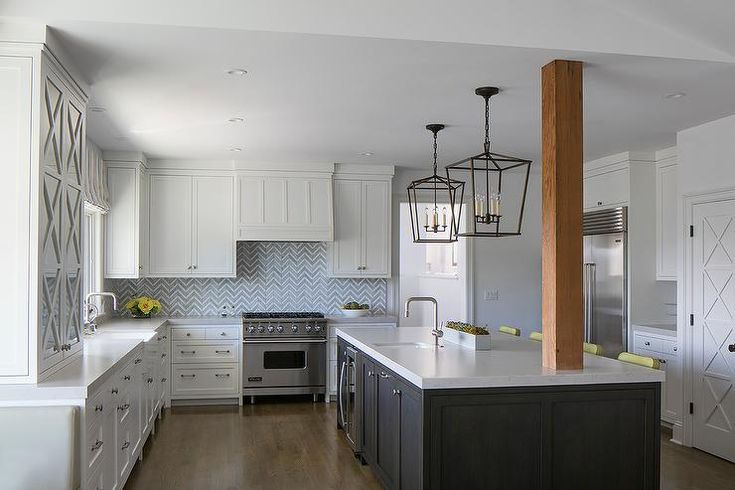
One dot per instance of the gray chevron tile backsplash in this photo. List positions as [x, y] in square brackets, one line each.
[271, 276]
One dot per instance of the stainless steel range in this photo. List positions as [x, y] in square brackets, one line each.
[284, 353]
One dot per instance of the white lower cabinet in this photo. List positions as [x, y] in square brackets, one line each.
[664, 348]
[205, 361]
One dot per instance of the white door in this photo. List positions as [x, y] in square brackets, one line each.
[346, 256]
[170, 225]
[376, 228]
[214, 243]
[713, 291]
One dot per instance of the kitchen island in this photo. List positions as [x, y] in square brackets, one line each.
[456, 418]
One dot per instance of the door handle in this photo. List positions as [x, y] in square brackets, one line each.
[339, 393]
[384, 375]
[731, 347]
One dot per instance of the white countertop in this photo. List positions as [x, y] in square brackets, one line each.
[512, 361]
[343, 320]
[666, 329]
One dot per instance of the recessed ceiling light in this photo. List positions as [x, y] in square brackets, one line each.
[236, 148]
[366, 153]
[675, 95]
[96, 108]
[237, 72]
[237, 119]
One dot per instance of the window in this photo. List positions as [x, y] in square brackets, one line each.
[92, 248]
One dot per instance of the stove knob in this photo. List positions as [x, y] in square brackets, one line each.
[294, 328]
[270, 328]
[279, 328]
[251, 329]
[317, 328]
[308, 328]
[261, 329]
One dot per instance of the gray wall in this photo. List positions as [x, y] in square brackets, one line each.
[271, 276]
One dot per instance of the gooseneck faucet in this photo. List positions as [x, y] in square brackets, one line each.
[435, 331]
[90, 310]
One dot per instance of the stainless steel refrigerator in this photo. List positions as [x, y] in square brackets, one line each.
[606, 279]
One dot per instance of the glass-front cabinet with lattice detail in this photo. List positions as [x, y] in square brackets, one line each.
[62, 132]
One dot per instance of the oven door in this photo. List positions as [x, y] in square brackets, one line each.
[284, 363]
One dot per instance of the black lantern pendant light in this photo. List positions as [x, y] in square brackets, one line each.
[490, 174]
[437, 223]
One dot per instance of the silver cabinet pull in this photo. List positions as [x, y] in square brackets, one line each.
[646, 343]
[98, 408]
[397, 392]
[188, 268]
[222, 351]
[222, 375]
[163, 355]
[662, 361]
[97, 445]
[223, 334]
[163, 380]
[114, 391]
[138, 361]
[125, 445]
[195, 267]
[384, 375]
[149, 380]
[188, 375]
[164, 337]
[370, 374]
[123, 407]
[188, 334]
[188, 352]
[126, 377]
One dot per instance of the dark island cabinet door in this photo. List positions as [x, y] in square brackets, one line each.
[387, 422]
[369, 399]
[411, 449]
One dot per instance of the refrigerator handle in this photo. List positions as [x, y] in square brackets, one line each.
[585, 293]
[591, 302]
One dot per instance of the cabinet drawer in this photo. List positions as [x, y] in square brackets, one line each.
[644, 344]
[96, 408]
[124, 406]
[96, 445]
[197, 380]
[184, 333]
[223, 333]
[190, 352]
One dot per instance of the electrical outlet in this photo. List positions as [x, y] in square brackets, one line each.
[492, 295]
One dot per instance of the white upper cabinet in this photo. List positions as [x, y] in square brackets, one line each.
[213, 247]
[126, 230]
[362, 210]
[285, 206]
[606, 188]
[666, 215]
[191, 225]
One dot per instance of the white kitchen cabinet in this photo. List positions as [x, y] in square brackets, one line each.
[206, 362]
[606, 188]
[662, 344]
[666, 217]
[191, 226]
[285, 206]
[126, 223]
[362, 229]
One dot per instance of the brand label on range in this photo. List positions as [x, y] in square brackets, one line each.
[255, 378]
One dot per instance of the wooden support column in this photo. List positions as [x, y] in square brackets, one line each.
[562, 179]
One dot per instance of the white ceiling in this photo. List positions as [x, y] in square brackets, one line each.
[327, 98]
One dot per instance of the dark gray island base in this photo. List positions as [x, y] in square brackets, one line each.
[601, 436]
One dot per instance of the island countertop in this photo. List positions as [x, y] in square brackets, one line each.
[511, 361]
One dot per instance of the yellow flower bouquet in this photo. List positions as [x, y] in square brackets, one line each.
[143, 307]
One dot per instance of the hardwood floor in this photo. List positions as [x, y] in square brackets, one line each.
[295, 445]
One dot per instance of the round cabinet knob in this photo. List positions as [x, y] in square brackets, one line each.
[251, 329]
[308, 328]
[279, 328]
[294, 328]
[270, 329]
[317, 328]
[261, 329]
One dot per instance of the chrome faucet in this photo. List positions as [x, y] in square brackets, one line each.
[435, 331]
[91, 311]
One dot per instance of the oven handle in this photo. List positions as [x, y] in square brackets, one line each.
[284, 341]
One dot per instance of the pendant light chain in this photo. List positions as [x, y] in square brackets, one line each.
[487, 124]
[435, 151]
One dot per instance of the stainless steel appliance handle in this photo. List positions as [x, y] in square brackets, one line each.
[339, 393]
[591, 322]
[284, 341]
[586, 297]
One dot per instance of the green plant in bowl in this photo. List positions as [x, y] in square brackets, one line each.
[467, 328]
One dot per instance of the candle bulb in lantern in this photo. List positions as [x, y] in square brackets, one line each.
[435, 218]
[444, 216]
[497, 204]
[426, 217]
